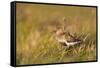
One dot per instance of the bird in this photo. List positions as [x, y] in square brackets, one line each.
[66, 38]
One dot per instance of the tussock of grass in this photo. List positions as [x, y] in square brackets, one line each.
[47, 50]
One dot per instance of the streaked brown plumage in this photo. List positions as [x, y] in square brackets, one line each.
[66, 38]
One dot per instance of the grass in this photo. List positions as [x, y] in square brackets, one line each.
[36, 43]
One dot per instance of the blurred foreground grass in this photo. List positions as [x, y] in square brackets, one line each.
[36, 43]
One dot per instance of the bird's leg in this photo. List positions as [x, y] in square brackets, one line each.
[67, 47]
